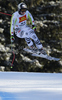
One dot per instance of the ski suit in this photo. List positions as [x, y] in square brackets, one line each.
[19, 25]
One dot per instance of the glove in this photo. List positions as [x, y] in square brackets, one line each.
[34, 27]
[12, 38]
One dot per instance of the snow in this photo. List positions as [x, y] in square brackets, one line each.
[30, 86]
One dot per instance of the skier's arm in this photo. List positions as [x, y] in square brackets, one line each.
[30, 18]
[13, 21]
[32, 21]
[12, 25]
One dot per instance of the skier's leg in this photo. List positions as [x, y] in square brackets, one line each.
[29, 41]
[36, 40]
[24, 34]
[30, 44]
[37, 43]
[28, 33]
[31, 34]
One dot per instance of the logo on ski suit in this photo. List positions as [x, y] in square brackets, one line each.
[22, 19]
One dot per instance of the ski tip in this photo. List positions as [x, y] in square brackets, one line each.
[57, 59]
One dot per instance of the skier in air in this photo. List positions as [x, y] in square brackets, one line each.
[19, 25]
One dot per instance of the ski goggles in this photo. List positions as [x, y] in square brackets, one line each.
[23, 10]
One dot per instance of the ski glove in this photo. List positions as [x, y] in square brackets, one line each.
[12, 38]
[34, 27]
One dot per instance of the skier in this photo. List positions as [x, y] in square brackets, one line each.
[19, 25]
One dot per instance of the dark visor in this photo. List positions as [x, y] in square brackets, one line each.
[23, 10]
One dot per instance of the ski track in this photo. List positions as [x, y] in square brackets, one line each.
[30, 86]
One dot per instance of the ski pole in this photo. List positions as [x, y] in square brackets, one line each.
[6, 14]
[13, 56]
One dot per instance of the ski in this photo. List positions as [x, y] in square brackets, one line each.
[46, 57]
[33, 53]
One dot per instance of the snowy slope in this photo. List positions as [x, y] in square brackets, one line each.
[30, 86]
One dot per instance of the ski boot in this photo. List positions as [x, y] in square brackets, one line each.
[33, 48]
[42, 51]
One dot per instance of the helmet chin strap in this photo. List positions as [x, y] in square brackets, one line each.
[21, 13]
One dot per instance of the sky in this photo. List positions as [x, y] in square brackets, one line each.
[30, 86]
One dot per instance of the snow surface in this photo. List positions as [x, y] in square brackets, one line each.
[30, 86]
